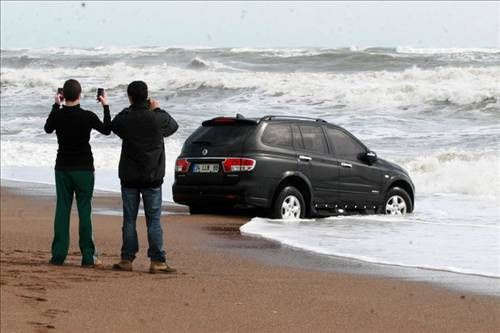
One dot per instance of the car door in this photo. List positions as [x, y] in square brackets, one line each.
[359, 183]
[317, 163]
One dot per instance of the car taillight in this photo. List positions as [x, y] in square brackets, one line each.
[181, 165]
[236, 164]
[224, 120]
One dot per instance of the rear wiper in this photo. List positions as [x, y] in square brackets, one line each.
[205, 143]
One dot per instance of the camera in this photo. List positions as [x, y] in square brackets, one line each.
[60, 91]
[100, 92]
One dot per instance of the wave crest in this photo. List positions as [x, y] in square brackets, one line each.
[362, 90]
[455, 171]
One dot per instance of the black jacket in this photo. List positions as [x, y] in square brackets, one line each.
[142, 160]
[73, 126]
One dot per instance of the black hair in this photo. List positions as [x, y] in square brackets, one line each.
[72, 90]
[138, 91]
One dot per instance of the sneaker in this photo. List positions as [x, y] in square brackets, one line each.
[97, 264]
[160, 267]
[123, 265]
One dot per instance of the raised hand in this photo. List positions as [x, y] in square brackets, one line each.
[58, 98]
[103, 99]
[153, 104]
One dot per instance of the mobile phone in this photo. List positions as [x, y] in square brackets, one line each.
[100, 92]
[60, 94]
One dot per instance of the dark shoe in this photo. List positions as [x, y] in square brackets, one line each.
[161, 267]
[55, 263]
[123, 265]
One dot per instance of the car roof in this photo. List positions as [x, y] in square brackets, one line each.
[269, 118]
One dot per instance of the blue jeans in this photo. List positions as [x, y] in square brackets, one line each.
[151, 198]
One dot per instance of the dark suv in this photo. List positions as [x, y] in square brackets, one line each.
[295, 167]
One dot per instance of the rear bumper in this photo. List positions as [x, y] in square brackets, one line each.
[227, 195]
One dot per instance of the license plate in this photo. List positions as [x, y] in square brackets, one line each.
[206, 168]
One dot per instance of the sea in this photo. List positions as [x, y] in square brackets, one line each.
[436, 112]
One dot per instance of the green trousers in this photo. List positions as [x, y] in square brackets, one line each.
[69, 184]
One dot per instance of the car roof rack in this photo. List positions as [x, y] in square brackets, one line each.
[271, 117]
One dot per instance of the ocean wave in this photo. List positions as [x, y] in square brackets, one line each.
[416, 50]
[350, 59]
[455, 171]
[380, 89]
[281, 52]
[97, 51]
[199, 63]
[106, 151]
[404, 244]
[113, 50]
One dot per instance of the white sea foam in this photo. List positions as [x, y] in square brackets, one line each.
[34, 161]
[455, 171]
[131, 50]
[280, 52]
[361, 90]
[421, 50]
[97, 51]
[106, 152]
[459, 242]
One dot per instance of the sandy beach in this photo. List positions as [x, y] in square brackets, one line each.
[217, 288]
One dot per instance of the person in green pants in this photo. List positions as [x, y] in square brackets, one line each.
[74, 170]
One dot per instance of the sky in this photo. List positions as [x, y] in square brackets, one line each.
[87, 24]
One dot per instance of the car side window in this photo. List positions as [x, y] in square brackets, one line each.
[344, 146]
[313, 138]
[297, 138]
[278, 135]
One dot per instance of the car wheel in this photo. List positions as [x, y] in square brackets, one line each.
[289, 204]
[397, 202]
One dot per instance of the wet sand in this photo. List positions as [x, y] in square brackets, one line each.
[224, 283]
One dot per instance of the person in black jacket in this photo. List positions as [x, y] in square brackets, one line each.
[142, 127]
[74, 170]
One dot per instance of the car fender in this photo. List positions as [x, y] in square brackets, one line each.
[394, 179]
[298, 174]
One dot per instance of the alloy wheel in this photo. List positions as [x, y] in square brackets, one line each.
[395, 205]
[290, 208]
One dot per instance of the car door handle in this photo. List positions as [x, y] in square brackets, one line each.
[346, 165]
[305, 158]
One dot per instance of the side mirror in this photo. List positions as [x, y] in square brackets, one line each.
[371, 157]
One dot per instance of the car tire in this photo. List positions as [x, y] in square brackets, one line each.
[397, 202]
[289, 203]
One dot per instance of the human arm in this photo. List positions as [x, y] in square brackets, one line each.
[168, 124]
[50, 124]
[103, 127]
[117, 124]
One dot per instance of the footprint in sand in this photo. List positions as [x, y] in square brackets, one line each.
[41, 327]
[52, 313]
[38, 299]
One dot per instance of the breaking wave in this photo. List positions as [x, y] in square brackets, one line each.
[454, 171]
[414, 86]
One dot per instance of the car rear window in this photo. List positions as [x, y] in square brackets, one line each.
[221, 135]
[278, 135]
